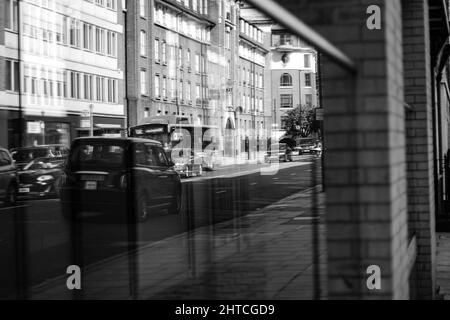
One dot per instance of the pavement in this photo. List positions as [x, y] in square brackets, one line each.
[266, 254]
[443, 265]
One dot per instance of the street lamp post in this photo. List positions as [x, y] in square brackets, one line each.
[91, 120]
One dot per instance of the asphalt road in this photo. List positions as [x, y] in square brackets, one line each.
[36, 243]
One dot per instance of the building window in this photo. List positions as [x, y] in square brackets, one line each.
[111, 44]
[180, 57]
[307, 61]
[308, 79]
[286, 101]
[197, 92]
[188, 59]
[74, 35]
[286, 80]
[143, 79]
[285, 39]
[308, 99]
[87, 87]
[157, 92]
[143, 43]
[180, 91]
[280, 40]
[12, 75]
[163, 52]
[111, 4]
[11, 14]
[142, 8]
[99, 40]
[87, 37]
[172, 88]
[156, 50]
[228, 38]
[164, 88]
[197, 63]
[75, 85]
[188, 92]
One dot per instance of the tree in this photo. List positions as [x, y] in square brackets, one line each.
[300, 121]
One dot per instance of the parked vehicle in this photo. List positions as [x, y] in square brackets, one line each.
[278, 152]
[187, 165]
[304, 145]
[119, 175]
[317, 149]
[181, 141]
[24, 155]
[41, 177]
[8, 178]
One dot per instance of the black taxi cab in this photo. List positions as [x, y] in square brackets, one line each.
[127, 175]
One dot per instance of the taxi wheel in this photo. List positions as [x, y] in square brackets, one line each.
[11, 195]
[142, 208]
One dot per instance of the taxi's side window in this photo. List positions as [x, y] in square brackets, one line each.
[139, 154]
[151, 157]
[160, 156]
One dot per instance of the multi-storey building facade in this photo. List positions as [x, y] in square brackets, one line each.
[167, 49]
[59, 61]
[188, 58]
[293, 70]
[255, 111]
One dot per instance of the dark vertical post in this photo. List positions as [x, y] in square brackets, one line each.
[20, 214]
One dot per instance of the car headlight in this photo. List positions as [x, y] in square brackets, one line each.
[45, 178]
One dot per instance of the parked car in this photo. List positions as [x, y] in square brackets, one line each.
[41, 177]
[8, 178]
[24, 155]
[187, 165]
[317, 149]
[119, 175]
[304, 145]
[278, 152]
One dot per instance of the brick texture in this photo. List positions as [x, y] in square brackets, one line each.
[366, 209]
[419, 125]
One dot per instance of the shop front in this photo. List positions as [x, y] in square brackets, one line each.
[44, 130]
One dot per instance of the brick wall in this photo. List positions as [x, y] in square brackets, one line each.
[366, 209]
[420, 168]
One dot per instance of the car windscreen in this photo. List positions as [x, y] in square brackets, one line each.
[25, 155]
[44, 164]
[97, 154]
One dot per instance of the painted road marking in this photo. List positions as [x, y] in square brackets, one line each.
[221, 191]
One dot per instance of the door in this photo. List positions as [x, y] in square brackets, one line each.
[145, 174]
[166, 175]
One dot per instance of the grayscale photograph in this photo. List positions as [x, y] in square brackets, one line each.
[242, 151]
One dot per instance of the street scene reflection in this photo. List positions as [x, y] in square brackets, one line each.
[169, 149]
